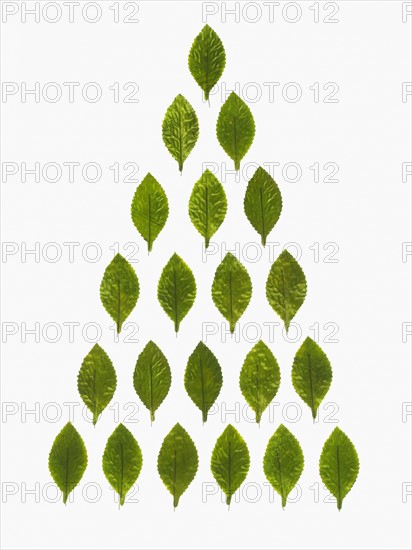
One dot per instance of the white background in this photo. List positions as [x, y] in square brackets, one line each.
[366, 293]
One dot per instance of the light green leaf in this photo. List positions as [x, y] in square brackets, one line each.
[177, 462]
[259, 378]
[207, 59]
[180, 129]
[176, 290]
[230, 461]
[235, 128]
[339, 465]
[286, 287]
[152, 377]
[207, 205]
[96, 381]
[67, 460]
[262, 203]
[122, 461]
[203, 378]
[150, 209]
[311, 374]
[231, 289]
[283, 462]
[119, 290]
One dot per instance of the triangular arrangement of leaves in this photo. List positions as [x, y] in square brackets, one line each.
[207, 59]
[231, 289]
[311, 374]
[122, 461]
[203, 378]
[259, 378]
[283, 462]
[119, 290]
[150, 209]
[152, 377]
[339, 465]
[96, 381]
[207, 205]
[177, 462]
[67, 459]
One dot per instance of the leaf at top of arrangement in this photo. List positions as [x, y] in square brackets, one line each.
[286, 287]
[311, 374]
[262, 203]
[119, 290]
[180, 129]
[122, 461]
[235, 128]
[231, 289]
[283, 462]
[259, 378]
[339, 465]
[96, 381]
[152, 377]
[203, 378]
[230, 461]
[207, 205]
[177, 462]
[67, 459]
[207, 59]
[176, 290]
[150, 209]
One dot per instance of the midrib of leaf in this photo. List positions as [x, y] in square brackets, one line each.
[229, 475]
[180, 142]
[175, 301]
[338, 464]
[174, 483]
[149, 242]
[118, 304]
[258, 415]
[235, 142]
[312, 403]
[207, 217]
[152, 414]
[262, 217]
[284, 300]
[232, 328]
[94, 396]
[121, 475]
[66, 481]
[207, 76]
[204, 413]
[280, 479]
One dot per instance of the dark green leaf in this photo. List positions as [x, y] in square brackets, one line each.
[177, 462]
[96, 381]
[152, 377]
[263, 203]
[180, 129]
[339, 465]
[259, 378]
[207, 59]
[203, 378]
[207, 205]
[119, 290]
[122, 461]
[286, 287]
[235, 128]
[176, 290]
[231, 289]
[230, 461]
[283, 462]
[150, 209]
[311, 374]
[67, 459]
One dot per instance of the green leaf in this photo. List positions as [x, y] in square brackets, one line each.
[96, 381]
[230, 461]
[339, 465]
[235, 128]
[231, 289]
[286, 287]
[177, 462]
[311, 374]
[203, 378]
[262, 203]
[259, 378]
[207, 59]
[150, 209]
[152, 377]
[119, 290]
[176, 290]
[207, 205]
[283, 462]
[180, 129]
[67, 460]
[122, 461]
